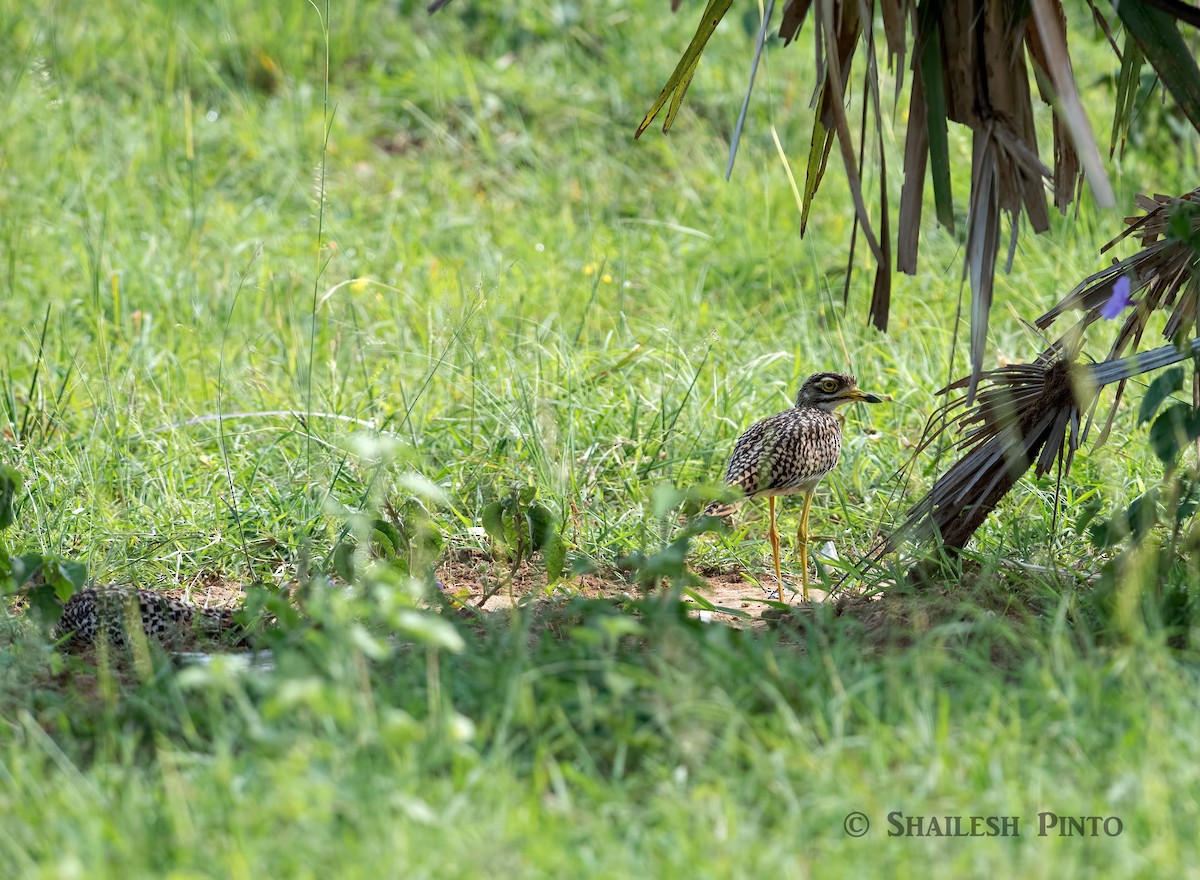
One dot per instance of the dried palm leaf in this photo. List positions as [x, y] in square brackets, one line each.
[1048, 48]
[1164, 274]
[1024, 415]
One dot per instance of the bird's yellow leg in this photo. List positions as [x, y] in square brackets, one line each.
[802, 540]
[773, 534]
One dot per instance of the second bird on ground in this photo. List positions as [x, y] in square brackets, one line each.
[790, 452]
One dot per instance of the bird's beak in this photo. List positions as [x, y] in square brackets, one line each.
[862, 396]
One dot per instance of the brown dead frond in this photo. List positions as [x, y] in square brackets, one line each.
[1024, 413]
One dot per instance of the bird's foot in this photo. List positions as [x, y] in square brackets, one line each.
[778, 593]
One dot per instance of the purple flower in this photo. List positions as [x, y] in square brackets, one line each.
[1119, 301]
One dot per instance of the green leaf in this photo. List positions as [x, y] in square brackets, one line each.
[386, 538]
[1087, 513]
[1127, 89]
[670, 562]
[10, 483]
[818, 157]
[1183, 225]
[66, 577]
[1172, 430]
[1163, 386]
[1142, 514]
[681, 78]
[373, 648]
[1188, 504]
[22, 568]
[555, 551]
[343, 561]
[664, 499]
[1106, 533]
[581, 565]
[1137, 519]
[492, 517]
[430, 629]
[543, 526]
[1160, 41]
[44, 601]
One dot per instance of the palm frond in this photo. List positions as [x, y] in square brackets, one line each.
[1025, 415]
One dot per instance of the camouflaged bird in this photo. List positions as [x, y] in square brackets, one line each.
[790, 452]
[108, 612]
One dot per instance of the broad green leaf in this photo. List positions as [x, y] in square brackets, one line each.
[22, 568]
[423, 488]
[375, 649]
[669, 562]
[555, 551]
[430, 629]
[386, 538]
[1183, 225]
[678, 83]
[542, 526]
[1138, 518]
[665, 498]
[66, 577]
[1142, 514]
[1106, 533]
[45, 602]
[1188, 504]
[1170, 432]
[1087, 513]
[1163, 386]
[492, 517]
[583, 565]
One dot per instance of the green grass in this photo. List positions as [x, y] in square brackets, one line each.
[519, 295]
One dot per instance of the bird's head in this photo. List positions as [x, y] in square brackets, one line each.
[828, 391]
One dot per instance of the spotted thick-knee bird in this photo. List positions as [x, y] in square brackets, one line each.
[790, 452]
[110, 612]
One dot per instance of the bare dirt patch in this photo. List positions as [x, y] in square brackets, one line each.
[471, 577]
[967, 607]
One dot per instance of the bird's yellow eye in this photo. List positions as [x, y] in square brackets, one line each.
[829, 386]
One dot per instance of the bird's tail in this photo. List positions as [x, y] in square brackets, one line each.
[721, 509]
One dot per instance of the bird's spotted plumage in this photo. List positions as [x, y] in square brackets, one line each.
[792, 451]
[787, 453]
[108, 611]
